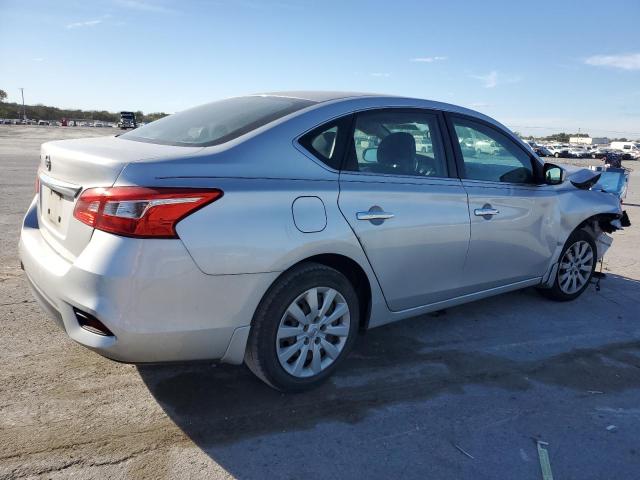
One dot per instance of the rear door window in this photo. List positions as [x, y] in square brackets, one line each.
[397, 142]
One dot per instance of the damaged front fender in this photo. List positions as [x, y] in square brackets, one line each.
[595, 211]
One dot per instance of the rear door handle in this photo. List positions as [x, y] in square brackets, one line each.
[481, 212]
[374, 215]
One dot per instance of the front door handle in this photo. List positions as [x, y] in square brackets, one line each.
[485, 212]
[375, 215]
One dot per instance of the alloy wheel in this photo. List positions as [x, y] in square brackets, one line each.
[575, 267]
[313, 332]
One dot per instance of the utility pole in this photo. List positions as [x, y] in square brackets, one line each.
[24, 112]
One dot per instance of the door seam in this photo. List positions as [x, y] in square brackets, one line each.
[364, 251]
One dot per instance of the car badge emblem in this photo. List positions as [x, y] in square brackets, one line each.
[47, 162]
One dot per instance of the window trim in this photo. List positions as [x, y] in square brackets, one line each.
[536, 167]
[341, 140]
[449, 161]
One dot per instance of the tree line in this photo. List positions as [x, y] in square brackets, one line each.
[43, 112]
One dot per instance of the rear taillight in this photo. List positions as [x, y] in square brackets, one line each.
[140, 211]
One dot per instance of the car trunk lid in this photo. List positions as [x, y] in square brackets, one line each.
[68, 167]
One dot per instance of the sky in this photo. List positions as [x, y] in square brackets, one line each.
[538, 67]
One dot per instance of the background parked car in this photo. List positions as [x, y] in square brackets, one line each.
[578, 152]
[558, 151]
[599, 152]
[543, 151]
[630, 155]
[487, 147]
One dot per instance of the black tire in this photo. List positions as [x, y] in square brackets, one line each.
[555, 292]
[557, 155]
[261, 356]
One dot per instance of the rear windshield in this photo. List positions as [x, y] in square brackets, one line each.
[216, 122]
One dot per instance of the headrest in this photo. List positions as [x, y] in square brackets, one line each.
[399, 151]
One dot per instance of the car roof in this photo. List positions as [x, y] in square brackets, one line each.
[320, 96]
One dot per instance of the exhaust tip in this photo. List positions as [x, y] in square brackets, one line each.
[91, 323]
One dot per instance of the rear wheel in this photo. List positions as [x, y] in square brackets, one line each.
[575, 269]
[303, 328]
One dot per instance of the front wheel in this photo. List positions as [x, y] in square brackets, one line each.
[576, 267]
[303, 328]
[557, 155]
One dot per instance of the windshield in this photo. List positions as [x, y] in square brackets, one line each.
[216, 122]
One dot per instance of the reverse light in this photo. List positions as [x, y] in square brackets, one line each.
[141, 212]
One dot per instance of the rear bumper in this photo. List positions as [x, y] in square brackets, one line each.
[149, 293]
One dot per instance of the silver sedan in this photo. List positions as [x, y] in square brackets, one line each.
[271, 229]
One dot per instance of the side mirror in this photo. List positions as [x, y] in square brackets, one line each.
[553, 174]
[370, 155]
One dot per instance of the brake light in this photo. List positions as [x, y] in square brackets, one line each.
[140, 211]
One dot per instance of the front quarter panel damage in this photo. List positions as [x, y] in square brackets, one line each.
[596, 211]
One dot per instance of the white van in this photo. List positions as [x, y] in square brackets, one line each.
[630, 148]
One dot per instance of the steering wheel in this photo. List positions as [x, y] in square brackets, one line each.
[426, 168]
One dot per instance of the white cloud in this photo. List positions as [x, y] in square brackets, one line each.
[490, 80]
[144, 6]
[427, 59]
[493, 79]
[629, 61]
[88, 23]
[381, 74]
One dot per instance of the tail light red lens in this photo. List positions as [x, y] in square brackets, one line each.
[140, 211]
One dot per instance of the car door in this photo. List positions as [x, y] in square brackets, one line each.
[511, 212]
[401, 197]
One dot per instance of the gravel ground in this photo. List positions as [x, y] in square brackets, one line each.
[485, 378]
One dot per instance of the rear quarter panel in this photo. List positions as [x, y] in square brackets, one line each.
[251, 228]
